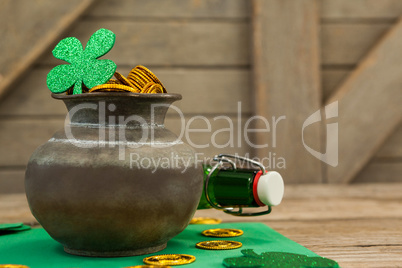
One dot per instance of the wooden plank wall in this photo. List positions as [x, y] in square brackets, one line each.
[26, 34]
[286, 85]
[200, 49]
[349, 29]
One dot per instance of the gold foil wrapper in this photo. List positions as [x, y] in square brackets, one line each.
[218, 245]
[222, 232]
[169, 259]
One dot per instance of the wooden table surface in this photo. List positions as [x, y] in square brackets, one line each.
[357, 225]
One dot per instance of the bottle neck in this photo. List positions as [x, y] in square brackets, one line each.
[232, 188]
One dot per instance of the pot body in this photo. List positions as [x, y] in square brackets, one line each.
[117, 184]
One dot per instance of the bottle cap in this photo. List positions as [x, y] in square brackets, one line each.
[270, 188]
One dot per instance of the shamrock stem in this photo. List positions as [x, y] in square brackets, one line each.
[77, 87]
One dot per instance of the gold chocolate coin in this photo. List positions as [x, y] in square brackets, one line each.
[135, 80]
[141, 75]
[222, 232]
[139, 80]
[205, 220]
[122, 79]
[149, 266]
[70, 91]
[154, 88]
[113, 81]
[169, 259]
[151, 75]
[147, 86]
[218, 245]
[113, 87]
[13, 266]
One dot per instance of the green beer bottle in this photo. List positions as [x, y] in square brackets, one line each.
[228, 187]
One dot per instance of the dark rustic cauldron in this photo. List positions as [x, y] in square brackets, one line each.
[114, 181]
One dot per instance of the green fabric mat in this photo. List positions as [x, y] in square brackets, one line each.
[36, 249]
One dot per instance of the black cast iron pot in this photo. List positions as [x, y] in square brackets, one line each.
[97, 187]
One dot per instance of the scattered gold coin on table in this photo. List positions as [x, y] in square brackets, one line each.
[205, 220]
[13, 266]
[169, 259]
[219, 245]
[222, 232]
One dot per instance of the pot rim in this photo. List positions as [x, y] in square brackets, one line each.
[106, 95]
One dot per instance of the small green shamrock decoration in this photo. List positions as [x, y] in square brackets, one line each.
[85, 68]
[10, 228]
[278, 260]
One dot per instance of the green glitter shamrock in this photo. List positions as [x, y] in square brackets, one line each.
[85, 67]
[278, 260]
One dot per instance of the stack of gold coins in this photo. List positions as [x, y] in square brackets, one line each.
[142, 78]
[139, 80]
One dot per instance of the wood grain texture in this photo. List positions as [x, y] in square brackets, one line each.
[12, 181]
[19, 138]
[331, 79]
[213, 43]
[324, 208]
[212, 9]
[369, 106]
[28, 28]
[360, 9]
[392, 147]
[14, 208]
[362, 231]
[178, 9]
[352, 243]
[31, 96]
[378, 170]
[347, 44]
[209, 89]
[170, 43]
[286, 81]
[375, 191]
